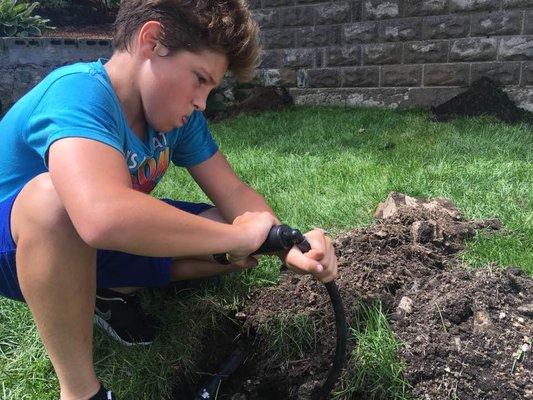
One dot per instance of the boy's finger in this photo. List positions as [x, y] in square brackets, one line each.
[317, 240]
[315, 254]
[297, 260]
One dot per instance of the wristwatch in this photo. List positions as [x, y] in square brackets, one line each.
[222, 258]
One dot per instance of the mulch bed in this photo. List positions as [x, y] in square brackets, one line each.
[101, 31]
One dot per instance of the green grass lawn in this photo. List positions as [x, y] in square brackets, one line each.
[326, 167]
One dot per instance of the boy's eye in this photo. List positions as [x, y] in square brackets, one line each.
[201, 79]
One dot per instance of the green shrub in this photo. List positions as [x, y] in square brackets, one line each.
[16, 19]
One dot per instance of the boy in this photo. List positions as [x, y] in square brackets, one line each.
[81, 153]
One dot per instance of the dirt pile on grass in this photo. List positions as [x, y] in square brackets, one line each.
[254, 100]
[464, 333]
[484, 97]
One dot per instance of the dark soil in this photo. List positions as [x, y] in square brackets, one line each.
[252, 101]
[79, 13]
[484, 97]
[80, 19]
[465, 333]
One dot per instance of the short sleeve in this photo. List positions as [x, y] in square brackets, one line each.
[75, 105]
[195, 142]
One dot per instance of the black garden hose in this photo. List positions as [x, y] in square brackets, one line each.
[283, 237]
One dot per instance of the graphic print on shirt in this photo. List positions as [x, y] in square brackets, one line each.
[145, 173]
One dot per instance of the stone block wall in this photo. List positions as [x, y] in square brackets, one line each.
[396, 53]
[24, 62]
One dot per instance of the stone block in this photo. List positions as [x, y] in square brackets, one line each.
[23, 51]
[400, 29]
[426, 52]
[287, 77]
[424, 7]
[324, 77]
[432, 96]
[392, 98]
[516, 48]
[528, 22]
[507, 73]
[401, 75]
[324, 96]
[278, 77]
[474, 5]
[333, 13]
[91, 49]
[318, 36]
[474, 49]
[296, 58]
[517, 3]
[445, 26]
[270, 59]
[277, 3]
[527, 74]
[343, 56]
[320, 58]
[521, 96]
[380, 9]
[268, 18]
[498, 23]
[16, 81]
[301, 78]
[297, 16]
[278, 38]
[3, 55]
[361, 77]
[382, 53]
[253, 4]
[360, 32]
[357, 10]
[446, 75]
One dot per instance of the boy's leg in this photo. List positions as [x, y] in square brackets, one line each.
[57, 275]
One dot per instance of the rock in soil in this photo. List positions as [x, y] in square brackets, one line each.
[464, 333]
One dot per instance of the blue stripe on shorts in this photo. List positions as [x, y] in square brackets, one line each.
[114, 268]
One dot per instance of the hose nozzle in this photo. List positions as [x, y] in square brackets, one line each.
[283, 237]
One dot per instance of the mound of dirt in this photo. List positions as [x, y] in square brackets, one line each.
[256, 100]
[465, 333]
[484, 97]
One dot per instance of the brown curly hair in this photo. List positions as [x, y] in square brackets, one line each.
[224, 26]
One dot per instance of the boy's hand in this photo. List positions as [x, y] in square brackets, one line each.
[320, 261]
[254, 227]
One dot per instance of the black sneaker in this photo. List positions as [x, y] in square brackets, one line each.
[103, 394]
[122, 317]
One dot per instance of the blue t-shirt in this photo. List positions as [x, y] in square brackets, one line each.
[78, 101]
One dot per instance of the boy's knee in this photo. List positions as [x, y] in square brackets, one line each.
[39, 205]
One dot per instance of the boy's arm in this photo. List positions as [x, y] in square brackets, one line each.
[233, 197]
[94, 184]
[226, 190]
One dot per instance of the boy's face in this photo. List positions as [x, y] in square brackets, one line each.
[173, 86]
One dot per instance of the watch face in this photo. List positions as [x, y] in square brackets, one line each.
[221, 258]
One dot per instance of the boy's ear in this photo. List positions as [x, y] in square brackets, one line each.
[148, 40]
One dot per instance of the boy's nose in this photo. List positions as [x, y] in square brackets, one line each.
[200, 103]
